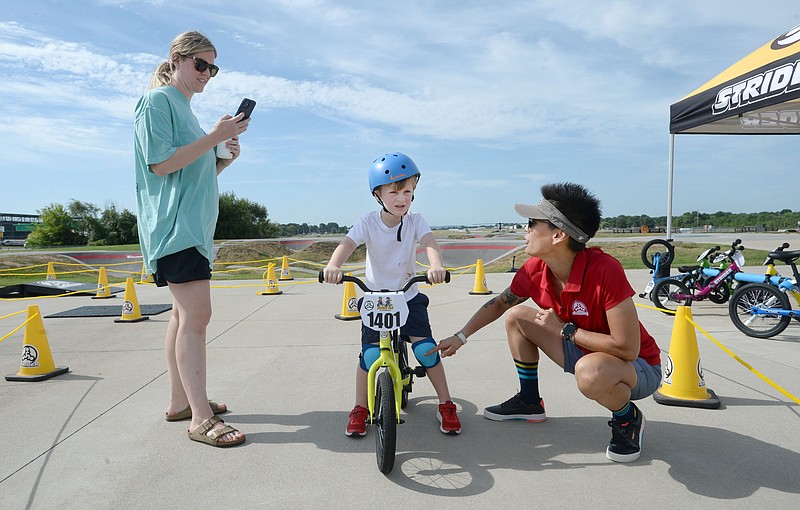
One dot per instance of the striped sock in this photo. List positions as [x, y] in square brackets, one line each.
[528, 381]
[626, 414]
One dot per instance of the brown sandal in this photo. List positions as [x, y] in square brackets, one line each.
[206, 433]
[186, 414]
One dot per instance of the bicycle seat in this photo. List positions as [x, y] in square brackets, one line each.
[688, 269]
[785, 256]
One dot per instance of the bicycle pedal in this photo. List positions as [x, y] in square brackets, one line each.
[420, 372]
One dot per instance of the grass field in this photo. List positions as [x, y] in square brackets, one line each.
[242, 261]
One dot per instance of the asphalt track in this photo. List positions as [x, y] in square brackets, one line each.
[96, 438]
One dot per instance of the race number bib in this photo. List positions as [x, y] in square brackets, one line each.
[384, 311]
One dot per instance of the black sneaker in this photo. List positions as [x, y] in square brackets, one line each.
[516, 409]
[626, 438]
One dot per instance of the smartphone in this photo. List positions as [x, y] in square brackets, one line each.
[246, 107]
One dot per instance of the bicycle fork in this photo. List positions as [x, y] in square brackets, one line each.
[387, 360]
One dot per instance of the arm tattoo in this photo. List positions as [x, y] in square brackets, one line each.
[508, 298]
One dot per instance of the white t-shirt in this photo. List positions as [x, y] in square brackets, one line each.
[390, 263]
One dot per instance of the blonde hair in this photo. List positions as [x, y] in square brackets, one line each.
[185, 44]
[399, 185]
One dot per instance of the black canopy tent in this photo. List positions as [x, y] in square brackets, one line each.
[758, 95]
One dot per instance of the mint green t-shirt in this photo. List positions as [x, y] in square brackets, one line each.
[179, 210]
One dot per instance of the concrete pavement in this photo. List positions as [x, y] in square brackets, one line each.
[96, 437]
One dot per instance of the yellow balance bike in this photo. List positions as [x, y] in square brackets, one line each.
[390, 377]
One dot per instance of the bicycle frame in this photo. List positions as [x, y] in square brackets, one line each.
[388, 359]
[772, 272]
[785, 284]
[720, 278]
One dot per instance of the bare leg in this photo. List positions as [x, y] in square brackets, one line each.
[526, 338]
[193, 303]
[437, 377]
[361, 387]
[177, 396]
[601, 377]
[605, 379]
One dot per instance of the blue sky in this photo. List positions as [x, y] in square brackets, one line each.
[491, 99]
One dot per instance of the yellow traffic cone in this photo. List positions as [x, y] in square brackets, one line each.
[37, 360]
[270, 281]
[130, 307]
[683, 383]
[146, 277]
[51, 272]
[285, 273]
[103, 289]
[480, 280]
[349, 303]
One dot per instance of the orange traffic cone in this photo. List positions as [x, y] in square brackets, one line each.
[270, 281]
[130, 307]
[37, 360]
[285, 273]
[480, 280]
[103, 289]
[51, 272]
[349, 303]
[683, 383]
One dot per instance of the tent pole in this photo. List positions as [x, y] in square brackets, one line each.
[669, 184]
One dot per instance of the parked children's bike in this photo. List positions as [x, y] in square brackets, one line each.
[657, 254]
[762, 309]
[670, 293]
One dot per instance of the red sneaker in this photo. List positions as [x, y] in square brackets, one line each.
[357, 426]
[448, 419]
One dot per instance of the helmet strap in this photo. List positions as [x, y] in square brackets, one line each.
[400, 227]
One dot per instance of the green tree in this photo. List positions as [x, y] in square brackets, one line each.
[84, 216]
[117, 227]
[56, 229]
[240, 218]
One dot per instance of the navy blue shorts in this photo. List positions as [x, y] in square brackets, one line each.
[418, 323]
[185, 266]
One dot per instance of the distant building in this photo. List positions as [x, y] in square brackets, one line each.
[14, 228]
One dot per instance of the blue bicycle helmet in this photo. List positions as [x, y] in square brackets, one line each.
[391, 167]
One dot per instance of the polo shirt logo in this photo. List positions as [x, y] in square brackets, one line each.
[579, 308]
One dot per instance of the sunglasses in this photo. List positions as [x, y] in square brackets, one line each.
[532, 223]
[201, 65]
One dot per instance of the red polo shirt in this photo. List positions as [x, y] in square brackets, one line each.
[596, 283]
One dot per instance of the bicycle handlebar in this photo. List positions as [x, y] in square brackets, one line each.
[420, 278]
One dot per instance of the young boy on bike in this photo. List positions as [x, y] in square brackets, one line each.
[391, 235]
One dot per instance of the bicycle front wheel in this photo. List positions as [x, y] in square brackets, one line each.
[670, 293]
[385, 423]
[749, 298]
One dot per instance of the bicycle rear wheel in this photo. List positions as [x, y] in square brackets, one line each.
[385, 423]
[758, 295]
[665, 294]
[721, 294]
[664, 249]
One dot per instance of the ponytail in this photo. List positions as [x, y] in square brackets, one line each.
[162, 75]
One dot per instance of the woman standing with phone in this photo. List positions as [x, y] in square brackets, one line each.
[178, 203]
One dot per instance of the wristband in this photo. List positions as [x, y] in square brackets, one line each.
[461, 337]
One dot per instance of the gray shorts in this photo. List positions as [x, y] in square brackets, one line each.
[648, 376]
